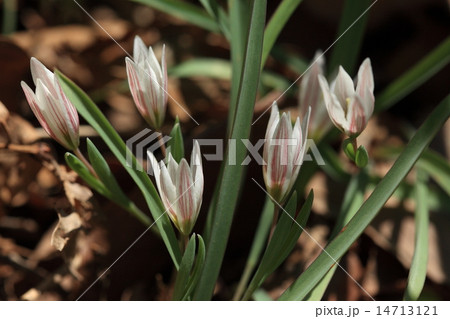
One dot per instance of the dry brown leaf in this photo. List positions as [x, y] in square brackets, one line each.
[17, 169]
[66, 225]
[393, 230]
[45, 43]
[4, 113]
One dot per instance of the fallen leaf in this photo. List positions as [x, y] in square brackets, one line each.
[66, 225]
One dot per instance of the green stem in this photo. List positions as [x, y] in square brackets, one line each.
[353, 199]
[276, 212]
[258, 244]
[183, 240]
[80, 155]
[161, 144]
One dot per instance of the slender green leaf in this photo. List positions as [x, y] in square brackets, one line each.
[176, 145]
[103, 171]
[350, 35]
[78, 166]
[437, 200]
[285, 236]
[228, 192]
[239, 33]
[90, 112]
[431, 162]
[116, 196]
[291, 60]
[259, 241]
[196, 272]
[185, 270]
[184, 11]
[212, 207]
[276, 23]
[221, 69]
[336, 248]
[428, 66]
[238, 12]
[219, 14]
[297, 228]
[209, 67]
[353, 199]
[437, 167]
[270, 260]
[418, 271]
[261, 295]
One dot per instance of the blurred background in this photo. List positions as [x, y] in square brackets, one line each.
[89, 40]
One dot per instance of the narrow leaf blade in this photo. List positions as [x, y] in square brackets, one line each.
[185, 11]
[336, 248]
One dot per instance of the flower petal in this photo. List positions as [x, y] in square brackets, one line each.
[137, 89]
[344, 87]
[69, 113]
[197, 175]
[310, 92]
[334, 108]
[156, 168]
[139, 50]
[185, 191]
[273, 120]
[278, 159]
[32, 101]
[172, 167]
[169, 194]
[365, 79]
[356, 117]
[53, 114]
[39, 71]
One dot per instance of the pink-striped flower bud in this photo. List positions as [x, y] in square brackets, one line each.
[50, 105]
[180, 188]
[310, 95]
[283, 152]
[350, 109]
[148, 83]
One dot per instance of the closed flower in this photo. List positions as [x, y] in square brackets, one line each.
[50, 105]
[310, 95]
[181, 188]
[283, 152]
[148, 83]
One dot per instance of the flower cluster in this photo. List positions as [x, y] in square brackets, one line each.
[180, 185]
